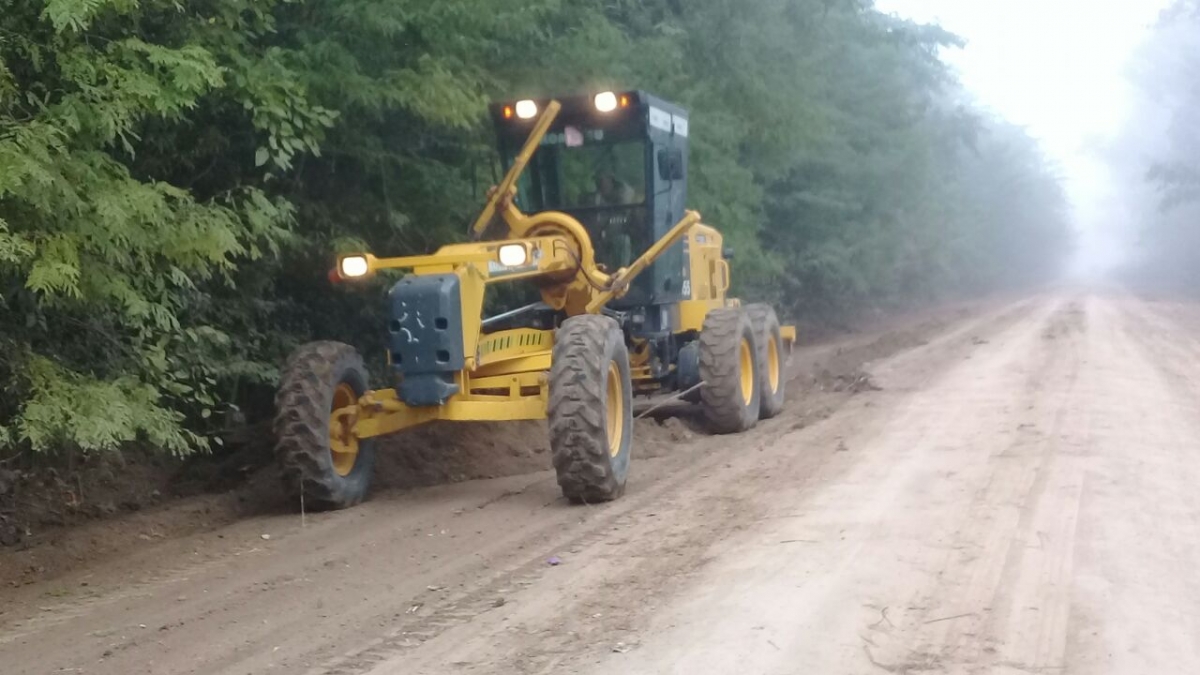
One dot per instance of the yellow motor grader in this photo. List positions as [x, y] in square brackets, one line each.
[632, 302]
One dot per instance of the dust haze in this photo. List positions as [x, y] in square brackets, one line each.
[1110, 98]
[1154, 202]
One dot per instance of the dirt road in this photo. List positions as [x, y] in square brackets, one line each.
[1010, 492]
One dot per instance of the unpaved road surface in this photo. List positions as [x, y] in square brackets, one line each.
[1014, 492]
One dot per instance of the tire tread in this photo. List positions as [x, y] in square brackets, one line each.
[301, 425]
[720, 363]
[578, 432]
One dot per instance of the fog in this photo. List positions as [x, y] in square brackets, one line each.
[1154, 157]
[1109, 90]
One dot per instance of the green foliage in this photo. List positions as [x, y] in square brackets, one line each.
[102, 260]
[64, 408]
[175, 177]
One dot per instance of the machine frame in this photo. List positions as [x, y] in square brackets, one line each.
[504, 373]
[667, 321]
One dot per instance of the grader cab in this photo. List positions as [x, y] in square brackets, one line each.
[632, 290]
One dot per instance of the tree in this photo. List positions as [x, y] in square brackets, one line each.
[175, 179]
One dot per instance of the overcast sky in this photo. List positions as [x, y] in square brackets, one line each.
[1057, 67]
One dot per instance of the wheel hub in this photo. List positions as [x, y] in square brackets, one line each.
[747, 372]
[343, 444]
[614, 409]
[773, 370]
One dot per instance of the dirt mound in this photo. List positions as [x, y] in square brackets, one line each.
[39, 496]
[854, 381]
[454, 452]
[100, 509]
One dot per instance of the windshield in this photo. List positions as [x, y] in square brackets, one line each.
[576, 169]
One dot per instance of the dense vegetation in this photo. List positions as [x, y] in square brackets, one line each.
[174, 176]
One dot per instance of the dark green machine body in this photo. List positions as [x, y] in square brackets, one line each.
[642, 145]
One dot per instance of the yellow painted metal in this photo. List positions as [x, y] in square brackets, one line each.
[533, 378]
[472, 287]
[639, 366]
[510, 383]
[546, 254]
[505, 373]
[445, 257]
[559, 247]
[692, 313]
[380, 413]
[590, 288]
[534, 224]
[788, 335]
[510, 344]
[477, 265]
[523, 364]
[614, 408]
[726, 275]
[705, 250]
[773, 364]
[508, 186]
[572, 292]
[746, 371]
[639, 352]
[528, 408]
[706, 280]
[623, 277]
[641, 374]
[343, 443]
[386, 422]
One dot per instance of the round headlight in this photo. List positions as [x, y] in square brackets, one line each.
[526, 109]
[354, 266]
[606, 101]
[513, 255]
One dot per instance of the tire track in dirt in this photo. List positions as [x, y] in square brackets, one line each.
[1031, 509]
[334, 596]
[706, 513]
[858, 512]
[1137, 585]
[1025, 598]
[960, 617]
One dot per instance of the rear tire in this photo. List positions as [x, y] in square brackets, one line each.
[328, 472]
[772, 359]
[731, 394]
[590, 412]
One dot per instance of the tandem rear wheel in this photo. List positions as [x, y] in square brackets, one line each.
[730, 369]
[772, 358]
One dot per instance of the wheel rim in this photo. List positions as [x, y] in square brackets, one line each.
[773, 370]
[343, 444]
[747, 372]
[614, 409]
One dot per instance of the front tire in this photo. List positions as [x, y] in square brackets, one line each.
[731, 394]
[320, 459]
[590, 412]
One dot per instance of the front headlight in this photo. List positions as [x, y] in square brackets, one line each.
[526, 109]
[606, 101]
[354, 266]
[513, 255]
